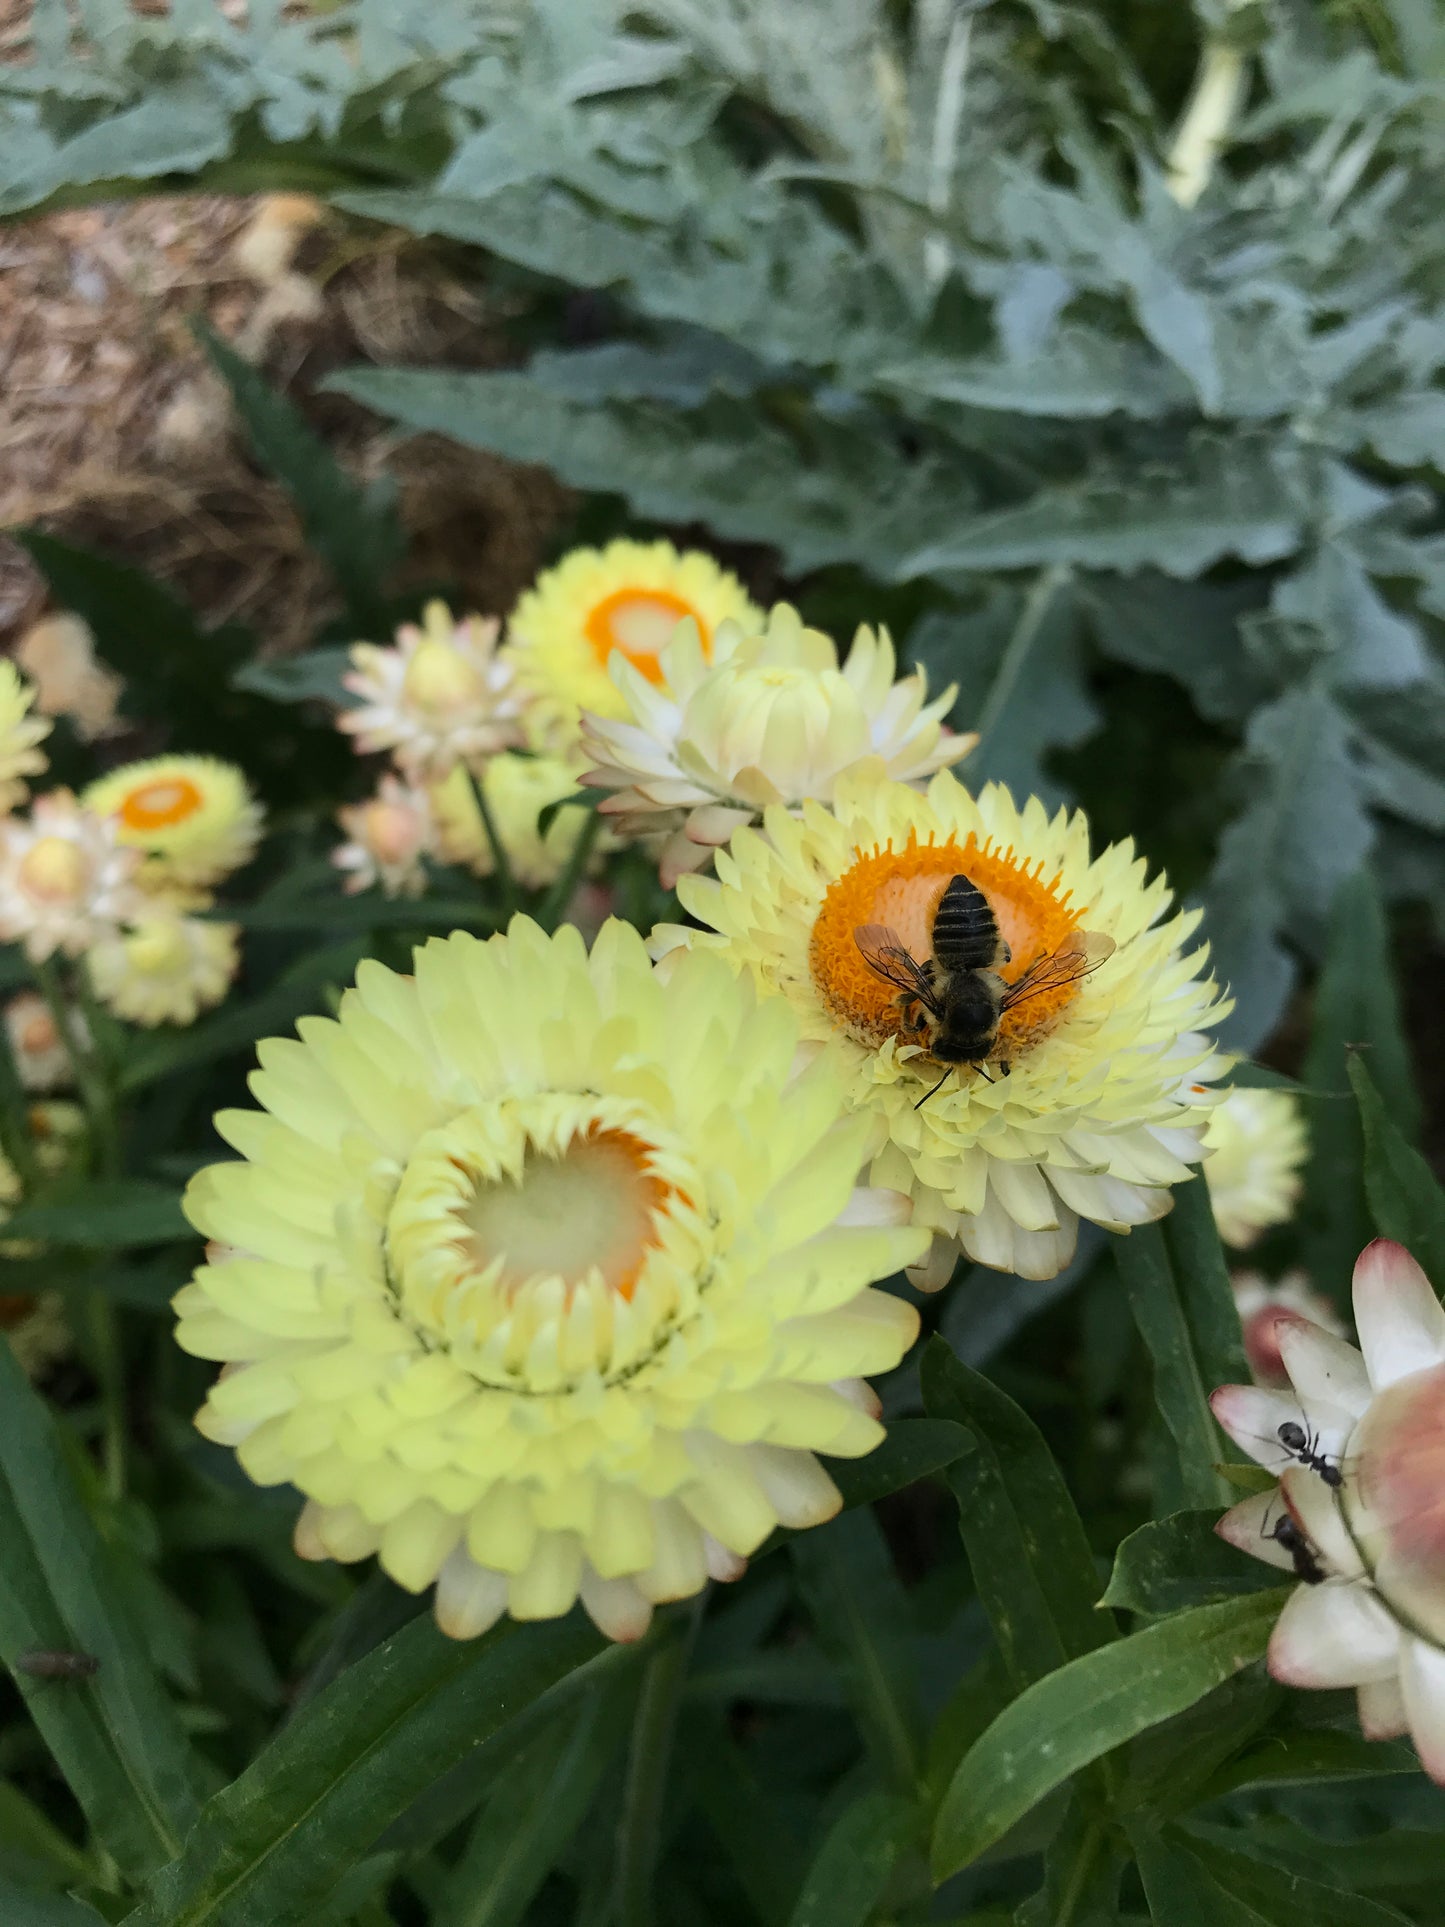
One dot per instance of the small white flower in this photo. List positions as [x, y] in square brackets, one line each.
[165, 969]
[387, 838]
[1360, 1441]
[36, 1044]
[65, 881]
[1260, 1301]
[769, 717]
[444, 695]
[1257, 1148]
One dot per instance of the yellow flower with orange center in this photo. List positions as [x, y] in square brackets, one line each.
[627, 598]
[1100, 1108]
[193, 817]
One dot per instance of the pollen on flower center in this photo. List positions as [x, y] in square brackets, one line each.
[54, 870]
[901, 889]
[641, 622]
[520, 1234]
[160, 805]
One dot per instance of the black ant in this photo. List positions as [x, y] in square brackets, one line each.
[1300, 1445]
[1302, 1554]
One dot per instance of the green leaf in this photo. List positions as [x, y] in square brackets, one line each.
[32, 1847]
[1181, 1561]
[271, 1846]
[115, 1735]
[1082, 1869]
[1162, 1307]
[22, 1907]
[1191, 1882]
[526, 1823]
[846, 1880]
[1355, 1006]
[1202, 1274]
[1031, 1560]
[1074, 1716]
[1406, 1201]
[861, 1616]
[111, 1214]
[353, 528]
[314, 676]
[237, 1027]
[913, 1449]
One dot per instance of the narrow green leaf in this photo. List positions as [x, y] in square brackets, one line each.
[1205, 1293]
[1406, 1201]
[115, 1735]
[23, 1907]
[1191, 1882]
[110, 1214]
[846, 1880]
[272, 1846]
[861, 1616]
[32, 1847]
[1031, 1560]
[1082, 1869]
[913, 1449]
[1072, 1717]
[353, 528]
[1181, 1388]
[1181, 1561]
[530, 1817]
[314, 676]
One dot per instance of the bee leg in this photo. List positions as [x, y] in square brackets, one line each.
[1004, 1066]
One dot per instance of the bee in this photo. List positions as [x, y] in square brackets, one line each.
[57, 1665]
[958, 1001]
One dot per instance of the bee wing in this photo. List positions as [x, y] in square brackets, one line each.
[1084, 951]
[886, 954]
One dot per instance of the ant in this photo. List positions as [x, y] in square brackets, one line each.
[1302, 1554]
[57, 1665]
[1300, 1445]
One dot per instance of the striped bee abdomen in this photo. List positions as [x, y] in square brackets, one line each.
[965, 930]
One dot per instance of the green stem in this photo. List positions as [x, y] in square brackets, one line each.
[501, 866]
[1221, 84]
[640, 1830]
[87, 1070]
[1079, 1873]
[554, 904]
[1026, 631]
[15, 1139]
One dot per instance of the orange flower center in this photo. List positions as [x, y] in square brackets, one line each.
[640, 622]
[901, 889]
[162, 804]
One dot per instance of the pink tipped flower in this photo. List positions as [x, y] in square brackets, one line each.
[1359, 1512]
[42, 1061]
[1260, 1301]
[388, 836]
[444, 695]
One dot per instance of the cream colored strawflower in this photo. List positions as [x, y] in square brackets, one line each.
[627, 598]
[165, 968]
[1360, 1436]
[517, 789]
[708, 744]
[193, 818]
[58, 653]
[1257, 1149]
[443, 695]
[20, 735]
[65, 881]
[547, 1278]
[388, 837]
[36, 1045]
[1102, 1109]
[1261, 1302]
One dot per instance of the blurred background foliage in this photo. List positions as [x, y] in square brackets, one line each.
[909, 310]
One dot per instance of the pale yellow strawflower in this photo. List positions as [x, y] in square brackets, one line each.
[193, 818]
[545, 1278]
[1257, 1150]
[20, 734]
[708, 744]
[627, 598]
[388, 838]
[517, 789]
[165, 968]
[65, 881]
[444, 695]
[1102, 1109]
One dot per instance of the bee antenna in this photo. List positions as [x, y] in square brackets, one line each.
[937, 1087]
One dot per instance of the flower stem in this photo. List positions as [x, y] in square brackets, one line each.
[554, 904]
[1220, 85]
[640, 1830]
[501, 866]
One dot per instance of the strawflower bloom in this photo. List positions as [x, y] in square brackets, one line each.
[35, 1327]
[707, 745]
[58, 652]
[1260, 1301]
[20, 735]
[517, 789]
[193, 818]
[36, 1045]
[165, 968]
[1257, 1148]
[1102, 1109]
[443, 695]
[65, 881]
[388, 837]
[1361, 1435]
[546, 1278]
[627, 598]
